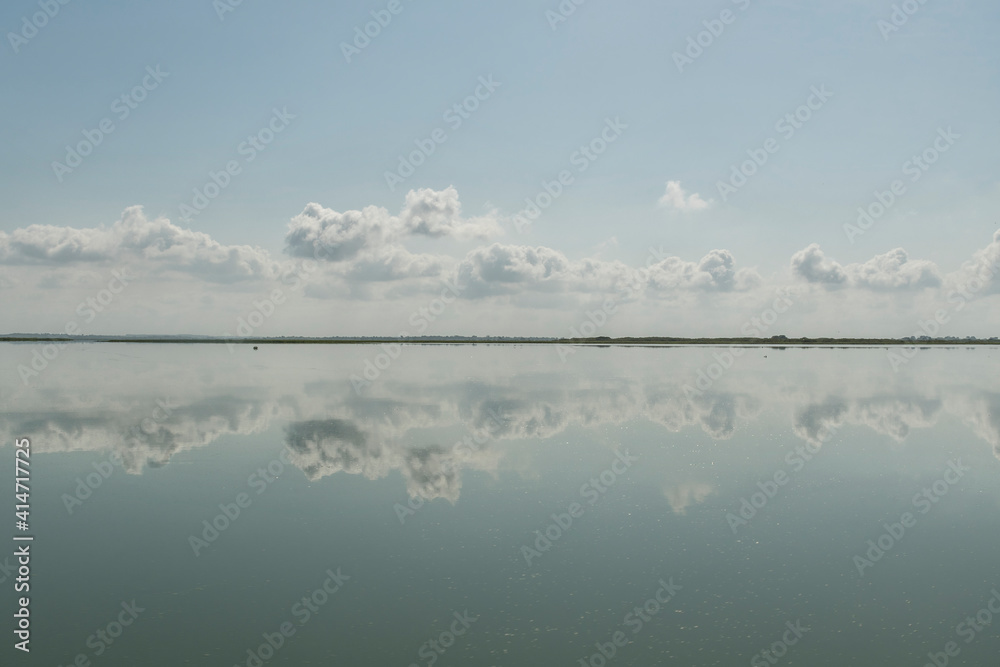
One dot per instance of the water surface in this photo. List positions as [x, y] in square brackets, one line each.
[742, 492]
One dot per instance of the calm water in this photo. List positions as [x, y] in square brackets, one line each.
[501, 506]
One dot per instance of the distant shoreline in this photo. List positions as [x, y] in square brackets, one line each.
[773, 342]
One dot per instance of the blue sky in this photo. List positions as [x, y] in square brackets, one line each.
[558, 87]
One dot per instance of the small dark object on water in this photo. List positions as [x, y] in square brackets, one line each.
[255, 347]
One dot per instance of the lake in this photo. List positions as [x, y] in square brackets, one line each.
[505, 505]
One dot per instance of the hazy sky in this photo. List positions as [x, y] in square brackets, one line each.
[215, 151]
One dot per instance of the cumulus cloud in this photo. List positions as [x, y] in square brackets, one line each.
[438, 213]
[716, 271]
[506, 269]
[890, 271]
[323, 233]
[811, 265]
[393, 263]
[675, 197]
[894, 270]
[366, 256]
[980, 276]
[158, 243]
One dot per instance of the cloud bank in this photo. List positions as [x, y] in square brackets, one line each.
[402, 260]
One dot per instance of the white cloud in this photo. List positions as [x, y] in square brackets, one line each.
[439, 213]
[158, 244]
[980, 275]
[889, 271]
[811, 265]
[507, 269]
[323, 233]
[504, 269]
[507, 288]
[338, 236]
[393, 263]
[894, 270]
[675, 197]
[715, 272]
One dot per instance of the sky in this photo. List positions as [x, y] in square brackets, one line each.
[535, 168]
